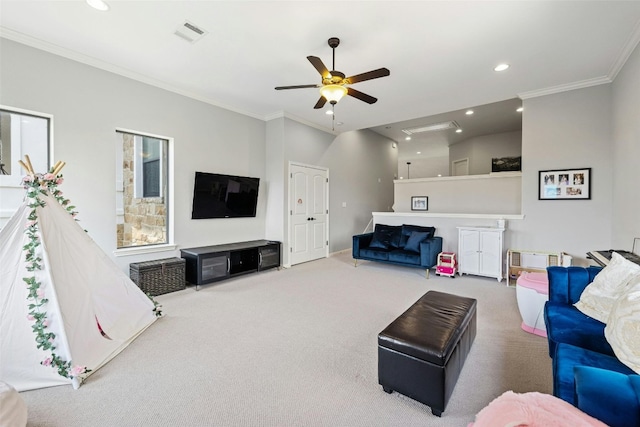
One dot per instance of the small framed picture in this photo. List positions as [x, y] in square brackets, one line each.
[565, 184]
[419, 203]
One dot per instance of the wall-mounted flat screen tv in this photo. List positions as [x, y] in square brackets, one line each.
[224, 196]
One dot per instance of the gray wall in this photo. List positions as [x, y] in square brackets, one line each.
[361, 168]
[88, 104]
[625, 107]
[480, 150]
[424, 167]
[567, 130]
[595, 127]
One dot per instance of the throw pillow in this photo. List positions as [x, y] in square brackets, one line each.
[413, 243]
[407, 229]
[380, 240]
[598, 297]
[394, 232]
[623, 326]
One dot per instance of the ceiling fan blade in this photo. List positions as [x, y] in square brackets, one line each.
[320, 103]
[317, 62]
[361, 96]
[296, 87]
[380, 72]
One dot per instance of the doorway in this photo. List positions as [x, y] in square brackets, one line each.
[460, 167]
[308, 213]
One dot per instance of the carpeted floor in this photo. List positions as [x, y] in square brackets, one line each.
[295, 347]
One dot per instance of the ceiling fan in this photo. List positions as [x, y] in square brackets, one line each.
[334, 83]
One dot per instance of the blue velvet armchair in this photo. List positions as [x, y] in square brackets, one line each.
[586, 372]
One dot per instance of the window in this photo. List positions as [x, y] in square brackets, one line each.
[148, 166]
[141, 190]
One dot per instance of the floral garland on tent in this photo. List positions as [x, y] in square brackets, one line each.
[35, 185]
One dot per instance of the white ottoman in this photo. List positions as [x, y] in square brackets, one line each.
[532, 291]
[13, 410]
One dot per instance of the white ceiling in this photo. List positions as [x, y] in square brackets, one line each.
[441, 54]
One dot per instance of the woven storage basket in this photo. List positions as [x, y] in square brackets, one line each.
[159, 276]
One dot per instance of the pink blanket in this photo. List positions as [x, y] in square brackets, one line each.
[532, 410]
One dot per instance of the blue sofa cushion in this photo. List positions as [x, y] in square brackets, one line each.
[567, 324]
[408, 229]
[413, 243]
[379, 241]
[386, 236]
[594, 396]
[375, 254]
[567, 357]
[404, 257]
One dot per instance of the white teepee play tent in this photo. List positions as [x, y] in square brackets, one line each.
[88, 310]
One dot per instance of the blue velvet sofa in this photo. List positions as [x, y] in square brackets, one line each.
[586, 372]
[406, 245]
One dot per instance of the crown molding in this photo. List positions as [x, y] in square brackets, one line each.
[283, 114]
[97, 63]
[625, 52]
[565, 87]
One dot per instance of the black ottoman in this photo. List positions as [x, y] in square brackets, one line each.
[421, 353]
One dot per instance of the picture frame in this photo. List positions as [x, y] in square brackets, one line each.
[564, 184]
[419, 203]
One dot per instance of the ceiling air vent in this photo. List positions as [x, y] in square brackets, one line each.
[190, 32]
[432, 127]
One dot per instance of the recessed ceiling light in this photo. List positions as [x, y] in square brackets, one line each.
[458, 130]
[439, 174]
[519, 110]
[329, 112]
[419, 152]
[408, 138]
[501, 67]
[402, 177]
[98, 4]
[469, 112]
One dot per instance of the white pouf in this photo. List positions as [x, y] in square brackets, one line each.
[13, 410]
[532, 291]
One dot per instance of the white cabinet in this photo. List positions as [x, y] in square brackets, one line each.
[480, 251]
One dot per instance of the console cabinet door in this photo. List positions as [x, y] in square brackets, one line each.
[214, 267]
[269, 257]
[469, 247]
[490, 255]
[480, 251]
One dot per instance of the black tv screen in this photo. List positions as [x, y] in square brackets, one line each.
[224, 196]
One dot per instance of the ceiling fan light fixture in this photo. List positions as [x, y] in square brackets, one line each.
[333, 93]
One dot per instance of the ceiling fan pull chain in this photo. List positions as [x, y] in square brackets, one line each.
[333, 117]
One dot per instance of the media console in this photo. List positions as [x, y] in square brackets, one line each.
[209, 264]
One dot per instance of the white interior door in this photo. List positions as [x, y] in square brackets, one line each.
[460, 167]
[309, 213]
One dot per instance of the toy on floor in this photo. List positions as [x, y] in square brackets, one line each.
[447, 264]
